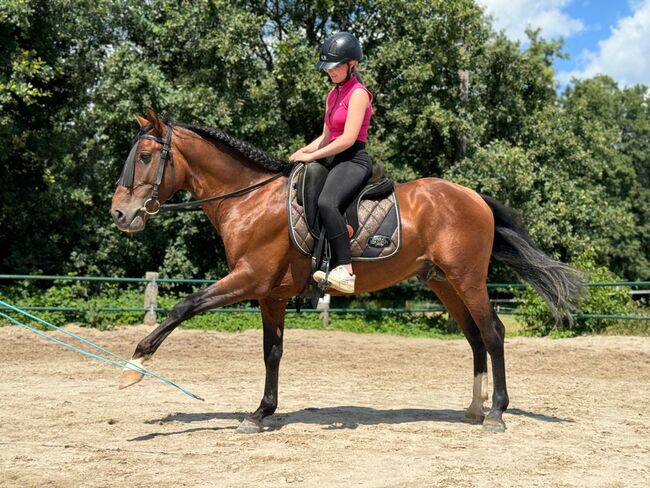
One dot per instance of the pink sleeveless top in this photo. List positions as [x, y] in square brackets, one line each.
[337, 113]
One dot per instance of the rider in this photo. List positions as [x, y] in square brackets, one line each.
[347, 115]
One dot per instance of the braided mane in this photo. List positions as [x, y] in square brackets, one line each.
[262, 158]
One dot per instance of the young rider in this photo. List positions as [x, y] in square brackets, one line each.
[345, 132]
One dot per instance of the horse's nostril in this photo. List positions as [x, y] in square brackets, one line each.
[119, 215]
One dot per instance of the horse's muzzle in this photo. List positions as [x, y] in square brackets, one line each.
[128, 221]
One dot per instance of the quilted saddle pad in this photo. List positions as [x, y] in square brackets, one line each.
[379, 235]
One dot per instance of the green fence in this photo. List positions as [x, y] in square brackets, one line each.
[503, 306]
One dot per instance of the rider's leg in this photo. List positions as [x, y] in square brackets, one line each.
[343, 183]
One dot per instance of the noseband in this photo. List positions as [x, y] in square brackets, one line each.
[152, 205]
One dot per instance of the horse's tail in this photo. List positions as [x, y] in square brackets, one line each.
[560, 285]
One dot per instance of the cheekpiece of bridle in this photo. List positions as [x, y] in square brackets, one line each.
[152, 205]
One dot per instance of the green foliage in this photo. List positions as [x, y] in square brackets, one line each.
[85, 301]
[369, 322]
[574, 186]
[88, 304]
[538, 320]
[613, 127]
[72, 74]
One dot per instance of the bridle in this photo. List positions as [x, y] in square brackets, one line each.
[128, 173]
[152, 205]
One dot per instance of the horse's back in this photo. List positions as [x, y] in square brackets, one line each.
[442, 194]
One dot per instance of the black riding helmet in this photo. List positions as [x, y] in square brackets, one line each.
[339, 48]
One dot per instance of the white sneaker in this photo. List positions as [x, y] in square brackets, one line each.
[339, 278]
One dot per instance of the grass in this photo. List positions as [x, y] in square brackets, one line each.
[513, 326]
[435, 324]
[411, 325]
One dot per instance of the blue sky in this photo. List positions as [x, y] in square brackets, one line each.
[602, 37]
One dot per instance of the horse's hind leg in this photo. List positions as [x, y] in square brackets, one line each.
[493, 334]
[273, 312]
[458, 311]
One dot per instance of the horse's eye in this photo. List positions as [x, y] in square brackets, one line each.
[145, 157]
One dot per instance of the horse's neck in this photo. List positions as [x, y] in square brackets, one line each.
[216, 170]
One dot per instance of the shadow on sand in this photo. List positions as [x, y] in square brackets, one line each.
[342, 417]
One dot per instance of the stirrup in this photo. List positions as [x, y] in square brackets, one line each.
[345, 284]
[320, 261]
[324, 284]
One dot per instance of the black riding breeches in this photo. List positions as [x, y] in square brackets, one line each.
[349, 171]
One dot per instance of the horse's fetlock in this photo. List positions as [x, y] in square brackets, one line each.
[142, 350]
[269, 405]
[500, 402]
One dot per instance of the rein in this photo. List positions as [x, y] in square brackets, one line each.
[152, 205]
[188, 206]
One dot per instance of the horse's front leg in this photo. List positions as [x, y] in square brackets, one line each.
[273, 312]
[231, 289]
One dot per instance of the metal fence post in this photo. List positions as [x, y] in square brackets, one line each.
[151, 298]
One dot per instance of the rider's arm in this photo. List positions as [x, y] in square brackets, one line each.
[356, 111]
[317, 143]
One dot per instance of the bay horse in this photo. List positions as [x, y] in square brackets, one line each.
[449, 235]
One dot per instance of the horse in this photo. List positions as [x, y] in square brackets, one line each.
[449, 235]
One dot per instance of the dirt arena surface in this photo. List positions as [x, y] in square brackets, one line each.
[355, 410]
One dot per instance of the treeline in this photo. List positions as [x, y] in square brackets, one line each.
[453, 98]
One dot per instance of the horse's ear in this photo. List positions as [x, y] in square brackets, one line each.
[141, 120]
[153, 119]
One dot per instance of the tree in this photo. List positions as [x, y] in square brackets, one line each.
[451, 97]
[49, 57]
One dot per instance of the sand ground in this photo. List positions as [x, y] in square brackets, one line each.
[355, 410]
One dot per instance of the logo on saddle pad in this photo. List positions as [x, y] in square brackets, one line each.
[379, 241]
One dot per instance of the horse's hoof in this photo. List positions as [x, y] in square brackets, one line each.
[493, 423]
[129, 378]
[474, 415]
[249, 426]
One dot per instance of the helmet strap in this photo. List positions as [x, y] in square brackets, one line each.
[349, 74]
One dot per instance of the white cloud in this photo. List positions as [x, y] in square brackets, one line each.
[624, 55]
[514, 16]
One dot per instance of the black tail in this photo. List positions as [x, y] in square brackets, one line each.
[558, 283]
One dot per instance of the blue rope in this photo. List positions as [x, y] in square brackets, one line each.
[123, 364]
[38, 319]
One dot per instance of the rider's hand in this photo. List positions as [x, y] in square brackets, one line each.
[300, 156]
